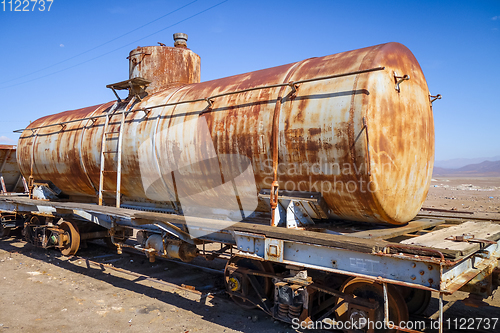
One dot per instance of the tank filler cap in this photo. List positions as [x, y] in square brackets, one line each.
[180, 39]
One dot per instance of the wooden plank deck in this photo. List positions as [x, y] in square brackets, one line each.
[437, 239]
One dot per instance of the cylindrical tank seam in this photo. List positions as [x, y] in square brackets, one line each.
[80, 148]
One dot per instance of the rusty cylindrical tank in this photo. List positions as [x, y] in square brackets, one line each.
[364, 141]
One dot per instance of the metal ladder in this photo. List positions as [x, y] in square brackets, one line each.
[118, 151]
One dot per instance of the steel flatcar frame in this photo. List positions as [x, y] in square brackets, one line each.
[366, 254]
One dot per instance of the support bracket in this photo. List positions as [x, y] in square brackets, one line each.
[434, 98]
[175, 231]
[296, 209]
[398, 79]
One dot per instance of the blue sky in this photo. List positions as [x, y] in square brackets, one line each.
[456, 42]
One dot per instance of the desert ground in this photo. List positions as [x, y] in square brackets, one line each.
[40, 290]
[480, 195]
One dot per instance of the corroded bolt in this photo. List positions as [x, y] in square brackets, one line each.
[422, 272]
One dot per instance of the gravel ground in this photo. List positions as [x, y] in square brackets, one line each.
[44, 291]
[480, 195]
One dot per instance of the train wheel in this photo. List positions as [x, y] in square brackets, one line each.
[417, 300]
[71, 238]
[370, 290]
[239, 284]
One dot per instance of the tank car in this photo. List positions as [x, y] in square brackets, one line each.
[355, 127]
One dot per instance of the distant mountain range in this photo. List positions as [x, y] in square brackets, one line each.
[457, 163]
[483, 169]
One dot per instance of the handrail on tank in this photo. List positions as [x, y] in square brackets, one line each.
[292, 84]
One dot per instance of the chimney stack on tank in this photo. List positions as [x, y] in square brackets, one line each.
[165, 66]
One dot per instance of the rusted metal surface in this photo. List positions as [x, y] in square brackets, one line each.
[184, 151]
[124, 85]
[58, 154]
[9, 171]
[164, 66]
